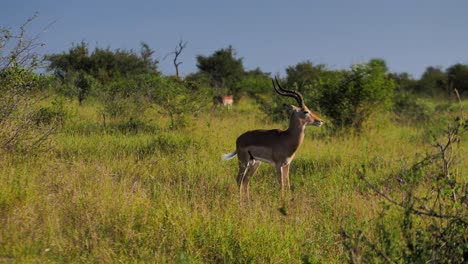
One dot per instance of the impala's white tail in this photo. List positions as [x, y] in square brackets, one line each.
[230, 155]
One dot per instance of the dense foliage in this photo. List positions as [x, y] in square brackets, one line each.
[223, 69]
[352, 97]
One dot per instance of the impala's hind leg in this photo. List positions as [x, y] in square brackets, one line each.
[252, 168]
[243, 166]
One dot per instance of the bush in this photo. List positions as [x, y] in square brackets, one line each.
[409, 109]
[133, 126]
[127, 98]
[427, 223]
[51, 115]
[346, 98]
[180, 100]
[349, 98]
[25, 125]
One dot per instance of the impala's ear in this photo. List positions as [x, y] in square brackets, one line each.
[293, 108]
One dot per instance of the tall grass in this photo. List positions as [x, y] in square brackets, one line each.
[150, 194]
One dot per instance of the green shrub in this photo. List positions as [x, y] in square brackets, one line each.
[409, 109]
[425, 219]
[133, 126]
[25, 124]
[346, 99]
[127, 98]
[180, 100]
[349, 98]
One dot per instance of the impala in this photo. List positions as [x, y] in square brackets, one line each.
[225, 100]
[275, 146]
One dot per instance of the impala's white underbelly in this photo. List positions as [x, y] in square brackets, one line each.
[261, 154]
[264, 160]
[265, 155]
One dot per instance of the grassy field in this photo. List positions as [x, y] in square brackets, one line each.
[139, 192]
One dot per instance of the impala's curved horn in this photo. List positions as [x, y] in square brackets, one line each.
[280, 90]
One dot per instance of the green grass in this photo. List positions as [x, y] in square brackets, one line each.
[149, 194]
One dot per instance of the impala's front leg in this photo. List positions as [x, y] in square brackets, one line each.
[279, 176]
[286, 176]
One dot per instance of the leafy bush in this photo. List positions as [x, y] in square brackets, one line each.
[348, 99]
[127, 98]
[408, 108]
[133, 126]
[180, 100]
[49, 115]
[428, 223]
[25, 125]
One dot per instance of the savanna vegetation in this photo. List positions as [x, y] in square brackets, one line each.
[105, 159]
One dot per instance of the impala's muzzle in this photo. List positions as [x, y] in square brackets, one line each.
[317, 123]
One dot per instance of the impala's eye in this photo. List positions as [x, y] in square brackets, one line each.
[306, 112]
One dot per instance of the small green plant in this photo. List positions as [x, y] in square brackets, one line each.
[54, 114]
[133, 126]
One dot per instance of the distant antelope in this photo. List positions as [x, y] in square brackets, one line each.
[226, 100]
[275, 146]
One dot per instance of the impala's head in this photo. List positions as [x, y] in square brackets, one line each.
[302, 113]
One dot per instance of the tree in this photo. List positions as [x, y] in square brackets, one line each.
[102, 64]
[255, 83]
[19, 50]
[76, 60]
[404, 82]
[84, 83]
[146, 54]
[177, 51]
[80, 71]
[304, 73]
[457, 76]
[223, 69]
[433, 82]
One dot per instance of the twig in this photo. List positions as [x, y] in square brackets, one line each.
[401, 205]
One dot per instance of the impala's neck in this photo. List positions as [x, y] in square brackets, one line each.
[295, 132]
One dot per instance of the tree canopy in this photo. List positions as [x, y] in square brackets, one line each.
[102, 64]
[304, 73]
[222, 67]
[457, 76]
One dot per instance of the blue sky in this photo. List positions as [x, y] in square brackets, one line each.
[409, 35]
